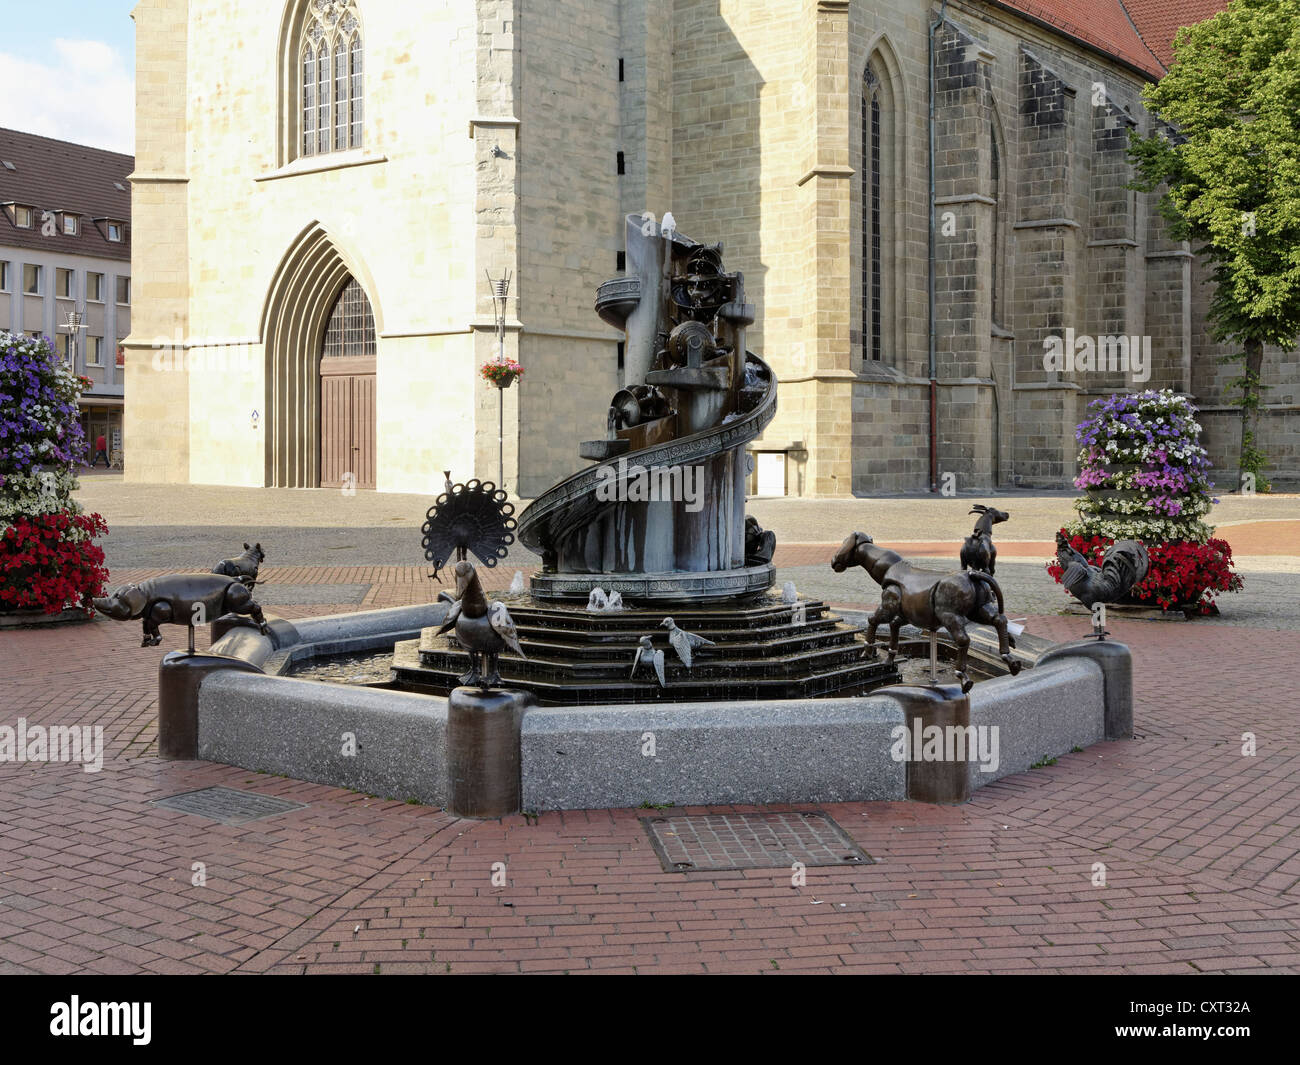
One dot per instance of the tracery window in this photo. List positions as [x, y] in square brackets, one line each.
[332, 87]
[351, 328]
[878, 207]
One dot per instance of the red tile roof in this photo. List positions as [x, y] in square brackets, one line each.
[1139, 33]
[53, 175]
[1160, 20]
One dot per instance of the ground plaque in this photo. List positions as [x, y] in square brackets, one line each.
[227, 805]
[690, 843]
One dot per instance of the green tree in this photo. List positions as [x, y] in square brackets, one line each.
[1228, 153]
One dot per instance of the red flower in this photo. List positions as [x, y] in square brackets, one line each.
[43, 568]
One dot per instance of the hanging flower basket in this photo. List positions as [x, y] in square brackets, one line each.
[501, 374]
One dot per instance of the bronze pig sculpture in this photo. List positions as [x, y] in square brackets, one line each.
[180, 599]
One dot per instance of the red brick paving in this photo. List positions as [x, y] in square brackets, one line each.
[1201, 848]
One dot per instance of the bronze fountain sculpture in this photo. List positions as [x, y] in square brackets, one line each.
[482, 628]
[185, 599]
[928, 600]
[656, 521]
[243, 567]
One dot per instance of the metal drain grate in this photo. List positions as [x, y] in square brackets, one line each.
[689, 843]
[227, 805]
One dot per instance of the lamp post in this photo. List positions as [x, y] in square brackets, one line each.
[73, 322]
[500, 289]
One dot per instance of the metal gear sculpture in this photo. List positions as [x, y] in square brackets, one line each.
[473, 517]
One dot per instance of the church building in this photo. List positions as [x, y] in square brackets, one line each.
[324, 191]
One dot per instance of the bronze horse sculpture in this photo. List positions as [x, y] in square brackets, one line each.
[928, 600]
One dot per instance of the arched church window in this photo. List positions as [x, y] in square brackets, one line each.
[879, 198]
[331, 83]
[350, 330]
[995, 176]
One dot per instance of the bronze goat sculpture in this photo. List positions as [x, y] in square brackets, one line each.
[978, 551]
[928, 600]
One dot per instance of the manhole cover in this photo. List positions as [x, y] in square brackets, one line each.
[688, 843]
[227, 805]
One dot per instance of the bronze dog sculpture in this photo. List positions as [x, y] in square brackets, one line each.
[927, 600]
[180, 599]
[243, 567]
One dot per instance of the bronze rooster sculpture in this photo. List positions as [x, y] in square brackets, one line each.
[1123, 567]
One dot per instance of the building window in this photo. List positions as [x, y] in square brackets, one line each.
[124, 290]
[115, 232]
[330, 79]
[351, 327]
[69, 225]
[33, 279]
[4, 276]
[63, 347]
[63, 286]
[995, 180]
[878, 197]
[871, 247]
[95, 288]
[94, 351]
[23, 217]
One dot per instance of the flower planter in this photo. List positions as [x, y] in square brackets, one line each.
[38, 619]
[1144, 476]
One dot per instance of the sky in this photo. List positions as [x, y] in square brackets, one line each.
[68, 70]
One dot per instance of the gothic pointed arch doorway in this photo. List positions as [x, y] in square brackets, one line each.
[347, 392]
[318, 286]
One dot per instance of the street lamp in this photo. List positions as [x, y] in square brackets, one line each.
[500, 289]
[73, 322]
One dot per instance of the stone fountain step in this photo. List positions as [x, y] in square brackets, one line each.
[545, 643]
[572, 653]
[857, 677]
[796, 664]
[638, 623]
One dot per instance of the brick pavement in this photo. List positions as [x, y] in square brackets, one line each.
[1201, 848]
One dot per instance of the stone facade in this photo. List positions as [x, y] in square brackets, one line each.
[502, 136]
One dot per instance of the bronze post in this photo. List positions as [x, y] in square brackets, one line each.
[483, 760]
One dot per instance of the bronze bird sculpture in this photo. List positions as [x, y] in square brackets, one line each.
[1123, 567]
[647, 652]
[483, 629]
[684, 643]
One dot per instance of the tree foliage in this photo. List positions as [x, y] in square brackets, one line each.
[1227, 150]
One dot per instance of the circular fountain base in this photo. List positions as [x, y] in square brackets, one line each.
[761, 649]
